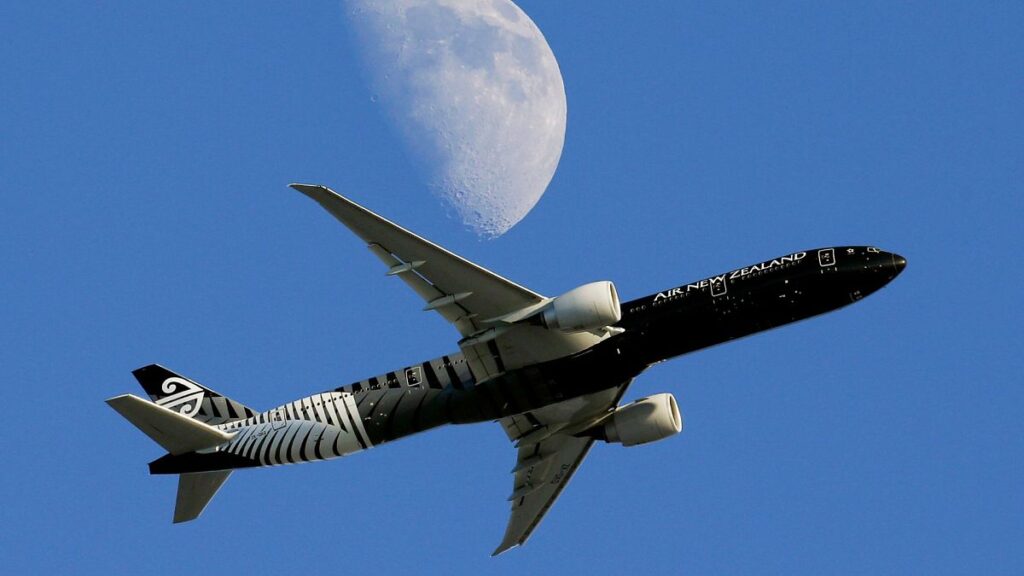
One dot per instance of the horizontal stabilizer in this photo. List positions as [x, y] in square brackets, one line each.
[176, 433]
[195, 492]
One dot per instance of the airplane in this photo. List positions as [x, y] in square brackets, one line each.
[551, 371]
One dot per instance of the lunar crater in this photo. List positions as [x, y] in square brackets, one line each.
[476, 94]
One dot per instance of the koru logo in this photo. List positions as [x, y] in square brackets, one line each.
[185, 397]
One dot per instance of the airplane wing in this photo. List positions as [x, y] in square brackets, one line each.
[542, 472]
[548, 457]
[463, 293]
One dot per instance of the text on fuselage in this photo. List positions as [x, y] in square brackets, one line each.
[734, 275]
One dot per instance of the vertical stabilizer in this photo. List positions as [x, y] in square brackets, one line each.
[188, 397]
[195, 492]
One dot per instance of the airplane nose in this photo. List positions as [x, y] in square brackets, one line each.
[898, 262]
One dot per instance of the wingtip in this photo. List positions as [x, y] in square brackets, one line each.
[120, 399]
[504, 547]
[317, 192]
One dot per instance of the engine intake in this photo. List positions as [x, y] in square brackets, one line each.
[589, 307]
[646, 420]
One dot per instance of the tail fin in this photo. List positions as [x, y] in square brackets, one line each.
[195, 492]
[188, 397]
[178, 434]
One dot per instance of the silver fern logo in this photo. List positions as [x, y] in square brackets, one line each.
[183, 396]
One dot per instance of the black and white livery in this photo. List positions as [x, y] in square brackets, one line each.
[551, 371]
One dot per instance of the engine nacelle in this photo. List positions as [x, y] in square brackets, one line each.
[589, 307]
[646, 420]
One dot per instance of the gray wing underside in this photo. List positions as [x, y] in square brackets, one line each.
[463, 293]
[548, 456]
[538, 486]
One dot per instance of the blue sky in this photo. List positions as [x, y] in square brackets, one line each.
[145, 152]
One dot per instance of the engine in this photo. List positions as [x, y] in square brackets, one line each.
[646, 420]
[589, 307]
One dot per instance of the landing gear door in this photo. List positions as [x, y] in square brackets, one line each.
[827, 257]
[718, 287]
[278, 418]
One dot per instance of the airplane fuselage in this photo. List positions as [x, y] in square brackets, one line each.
[657, 327]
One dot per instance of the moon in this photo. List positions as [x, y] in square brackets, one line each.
[476, 94]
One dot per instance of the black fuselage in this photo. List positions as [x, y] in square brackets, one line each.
[687, 318]
[657, 327]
